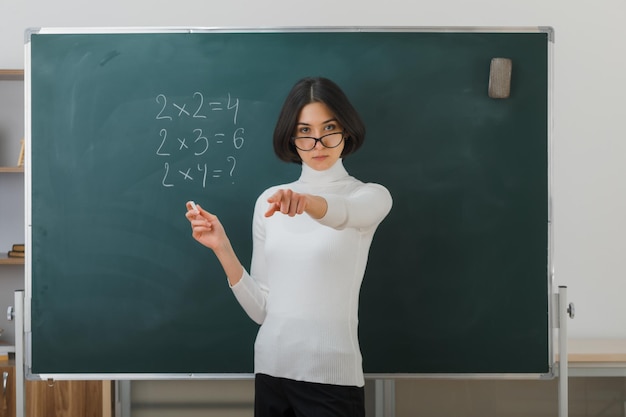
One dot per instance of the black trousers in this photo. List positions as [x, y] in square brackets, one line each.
[280, 397]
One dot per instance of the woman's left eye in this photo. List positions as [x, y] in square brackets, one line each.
[330, 127]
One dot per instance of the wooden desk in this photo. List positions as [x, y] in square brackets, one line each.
[596, 357]
[7, 392]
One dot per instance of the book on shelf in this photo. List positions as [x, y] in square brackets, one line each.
[17, 250]
[20, 158]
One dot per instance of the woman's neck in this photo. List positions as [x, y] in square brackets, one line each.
[334, 173]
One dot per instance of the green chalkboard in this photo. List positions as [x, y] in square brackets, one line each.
[126, 127]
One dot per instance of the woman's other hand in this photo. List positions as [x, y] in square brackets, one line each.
[292, 203]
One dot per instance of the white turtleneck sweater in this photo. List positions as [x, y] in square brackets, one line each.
[306, 274]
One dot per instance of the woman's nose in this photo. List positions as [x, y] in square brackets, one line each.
[318, 143]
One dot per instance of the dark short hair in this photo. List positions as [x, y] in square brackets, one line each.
[310, 90]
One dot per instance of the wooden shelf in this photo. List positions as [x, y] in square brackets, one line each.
[11, 74]
[11, 169]
[5, 260]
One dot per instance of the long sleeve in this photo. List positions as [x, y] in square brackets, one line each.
[366, 207]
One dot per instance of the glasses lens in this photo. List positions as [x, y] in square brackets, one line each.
[304, 143]
[331, 140]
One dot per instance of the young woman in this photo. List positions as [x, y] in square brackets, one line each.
[311, 240]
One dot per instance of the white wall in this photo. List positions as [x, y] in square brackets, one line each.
[589, 191]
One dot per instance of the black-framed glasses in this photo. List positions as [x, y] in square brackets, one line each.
[329, 140]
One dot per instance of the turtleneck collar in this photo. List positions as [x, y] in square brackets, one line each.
[334, 173]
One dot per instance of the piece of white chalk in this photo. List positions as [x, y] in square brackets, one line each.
[193, 205]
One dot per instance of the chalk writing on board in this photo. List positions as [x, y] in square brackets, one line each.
[198, 138]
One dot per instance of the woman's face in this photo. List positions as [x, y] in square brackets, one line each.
[316, 120]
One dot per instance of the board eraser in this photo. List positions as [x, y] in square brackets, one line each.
[500, 77]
